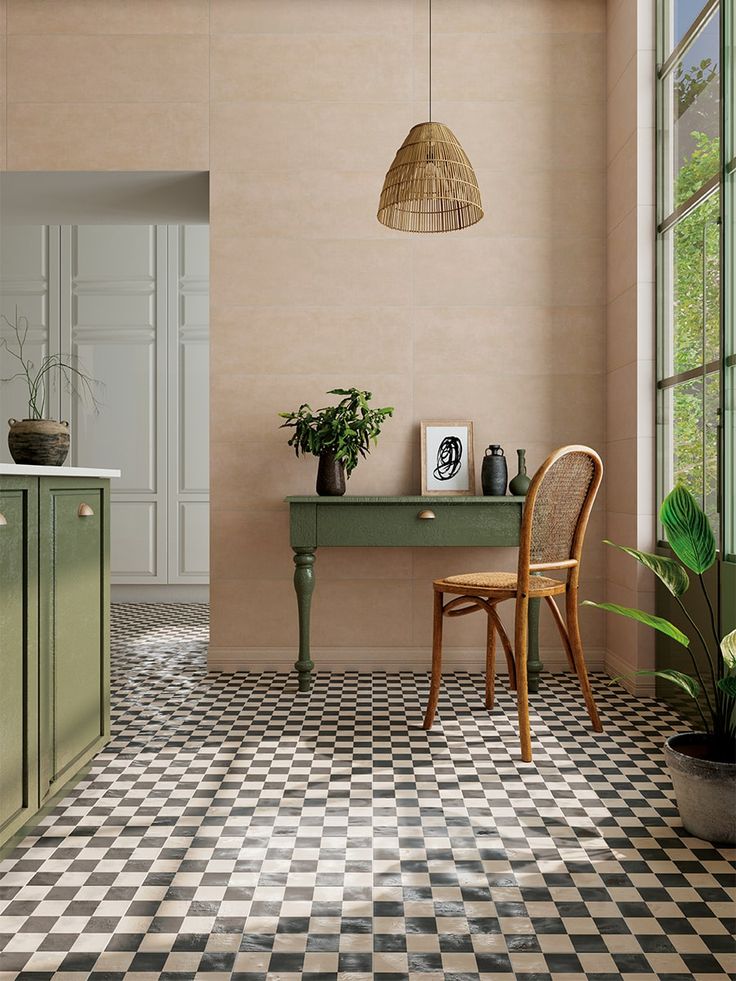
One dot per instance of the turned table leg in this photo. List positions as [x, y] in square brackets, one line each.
[534, 665]
[304, 586]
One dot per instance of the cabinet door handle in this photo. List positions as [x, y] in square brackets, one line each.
[3, 519]
[426, 515]
[85, 511]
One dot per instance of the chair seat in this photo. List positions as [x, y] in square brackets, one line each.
[497, 583]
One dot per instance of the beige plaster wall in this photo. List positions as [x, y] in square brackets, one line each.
[3, 62]
[630, 329]
[297, 108]
[107, 85]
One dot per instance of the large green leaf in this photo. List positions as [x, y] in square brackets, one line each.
[659, 623]
[667, 570]
[688, 530]
[728, 649]
[685, 681]
[728, 685]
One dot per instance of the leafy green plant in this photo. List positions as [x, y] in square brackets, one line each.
[691, 538]
[346, 429]
[37, 378]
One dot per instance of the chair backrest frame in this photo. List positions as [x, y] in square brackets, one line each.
[572, 564]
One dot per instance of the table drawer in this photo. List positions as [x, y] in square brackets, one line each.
[399, 524]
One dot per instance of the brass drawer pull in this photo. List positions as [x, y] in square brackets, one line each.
[3, 519]
[426, 515]
[85, 511]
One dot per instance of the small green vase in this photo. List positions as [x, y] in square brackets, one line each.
[520, 483]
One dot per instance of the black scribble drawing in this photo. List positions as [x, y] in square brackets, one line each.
[449, 458]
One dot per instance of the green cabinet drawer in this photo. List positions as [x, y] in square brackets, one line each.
[468, 524]
[18, 655]
[73, 627]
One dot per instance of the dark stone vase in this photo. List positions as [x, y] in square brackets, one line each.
[330, 476]
[38, 442]
[494, 473]
[520, 483]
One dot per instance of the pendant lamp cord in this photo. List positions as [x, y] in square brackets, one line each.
[430, 60]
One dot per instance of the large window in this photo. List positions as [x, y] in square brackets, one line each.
[729, 289]
[690, 365]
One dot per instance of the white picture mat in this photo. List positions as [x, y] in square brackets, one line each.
[434, 435]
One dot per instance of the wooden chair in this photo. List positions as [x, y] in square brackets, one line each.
[556, 512]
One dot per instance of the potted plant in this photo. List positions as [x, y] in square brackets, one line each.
[338, 434]
[36, 440]
[702, 763]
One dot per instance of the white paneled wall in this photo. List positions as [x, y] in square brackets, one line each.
[114, 319]
[131, 302]
[29, 283]
[188, 409]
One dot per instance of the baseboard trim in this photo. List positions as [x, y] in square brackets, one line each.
[159, 593]
[636, 684]
[391, 659]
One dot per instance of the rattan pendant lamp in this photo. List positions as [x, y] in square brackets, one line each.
[431, 185]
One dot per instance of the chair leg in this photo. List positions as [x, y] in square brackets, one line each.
[506, 647]
[576, 646]
[557, 617]
[490, 661]
[522, 683]
[434, 688]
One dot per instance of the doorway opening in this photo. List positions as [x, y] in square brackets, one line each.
[113, 271]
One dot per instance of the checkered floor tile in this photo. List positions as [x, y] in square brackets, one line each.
[236, 829]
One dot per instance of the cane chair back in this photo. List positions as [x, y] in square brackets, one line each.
[557, 509]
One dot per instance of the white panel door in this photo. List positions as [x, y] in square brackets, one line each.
[114, 312]
[131, 304]
[29, 285]
[188, 444]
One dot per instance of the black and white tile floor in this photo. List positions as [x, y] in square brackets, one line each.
[235, 829]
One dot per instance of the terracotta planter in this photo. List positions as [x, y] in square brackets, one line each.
[38, 442]
[330, 476]
[705, 788]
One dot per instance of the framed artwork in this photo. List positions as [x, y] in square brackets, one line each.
[447, 457]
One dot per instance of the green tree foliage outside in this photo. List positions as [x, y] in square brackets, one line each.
[695, 325]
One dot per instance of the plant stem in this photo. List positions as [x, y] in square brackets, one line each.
[712, 618]
[718, 693]
[702, 715]
[695, 664]
[36, 378]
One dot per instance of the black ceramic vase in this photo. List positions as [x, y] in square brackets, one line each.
[494, 473]
[330, 476]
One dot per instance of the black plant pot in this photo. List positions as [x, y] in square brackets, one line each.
[330, 476]
[39, 442]
[704, 782]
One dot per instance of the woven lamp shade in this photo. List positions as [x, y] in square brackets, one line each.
[431, 185]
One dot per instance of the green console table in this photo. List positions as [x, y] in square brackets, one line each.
[405, 522]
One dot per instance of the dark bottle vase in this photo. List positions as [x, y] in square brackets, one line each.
[520, 483]
[494, 472]
[330, 476]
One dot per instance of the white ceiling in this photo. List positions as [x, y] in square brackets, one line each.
[97, 198]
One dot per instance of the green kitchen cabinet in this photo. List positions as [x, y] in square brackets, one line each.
[73, 627]
[54, 636]
[18, 653]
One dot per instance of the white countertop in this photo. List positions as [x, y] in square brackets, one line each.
[25, 470]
